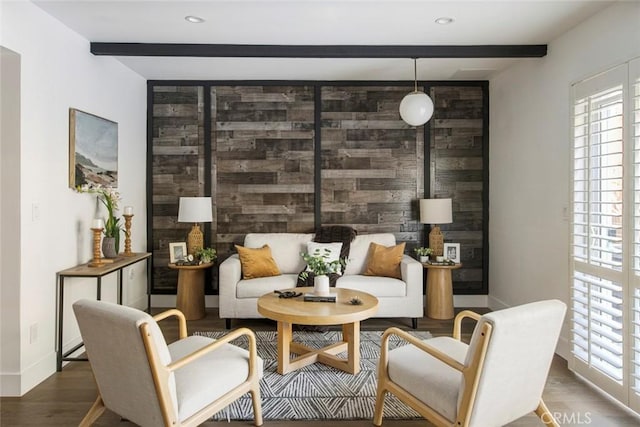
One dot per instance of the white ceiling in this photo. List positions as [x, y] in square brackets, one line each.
[317, 22]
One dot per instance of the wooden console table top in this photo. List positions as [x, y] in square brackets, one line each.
[83, 270]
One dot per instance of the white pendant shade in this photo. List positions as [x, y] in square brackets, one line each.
[416, 108]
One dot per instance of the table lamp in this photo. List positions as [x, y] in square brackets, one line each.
[436, 211]
[196, 210]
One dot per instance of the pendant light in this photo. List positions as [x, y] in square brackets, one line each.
[416, 107]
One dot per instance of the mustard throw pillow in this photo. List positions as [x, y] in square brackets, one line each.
[257, 262]
[384, 261]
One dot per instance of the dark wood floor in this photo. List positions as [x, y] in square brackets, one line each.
[64, 398]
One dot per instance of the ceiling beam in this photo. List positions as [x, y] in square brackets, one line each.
[316, 51]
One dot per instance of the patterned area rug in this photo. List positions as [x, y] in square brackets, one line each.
[317, 391]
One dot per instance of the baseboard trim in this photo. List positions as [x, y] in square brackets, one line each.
[213, 301]
[496, 304]
[470, 300]
[169, 301]
[10, 385]
[563, 349]
[18, 384]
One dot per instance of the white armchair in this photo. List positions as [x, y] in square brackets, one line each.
[150, 383]
[496, 379]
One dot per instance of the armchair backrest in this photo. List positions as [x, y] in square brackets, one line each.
[518, 356]
[114, 345]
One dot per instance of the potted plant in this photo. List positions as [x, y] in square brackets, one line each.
[112, 227]
[206, 255]
[423, 253]
[320, 265]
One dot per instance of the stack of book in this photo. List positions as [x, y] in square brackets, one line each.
[320, 298]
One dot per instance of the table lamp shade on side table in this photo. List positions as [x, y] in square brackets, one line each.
[196, 210]
[436, 211]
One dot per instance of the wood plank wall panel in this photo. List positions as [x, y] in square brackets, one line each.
[456, 155]
[372, 162]
[263, 174]
[262, 165]
[177, 170]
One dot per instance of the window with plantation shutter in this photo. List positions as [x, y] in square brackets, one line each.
[634, 80]
[605, 232]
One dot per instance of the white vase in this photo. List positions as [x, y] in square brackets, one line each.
[321, 285]
[424, 258]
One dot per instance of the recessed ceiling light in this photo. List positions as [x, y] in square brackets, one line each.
[444, 20]
[194, 19]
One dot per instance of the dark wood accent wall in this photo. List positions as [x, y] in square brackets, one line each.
[263, 141]
[458, 171]
[177, 169]
[372, 162]
[288, 156]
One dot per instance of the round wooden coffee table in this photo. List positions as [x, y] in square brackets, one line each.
[287, 311]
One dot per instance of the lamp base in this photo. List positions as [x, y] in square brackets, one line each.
[195, 240]
[436, 241]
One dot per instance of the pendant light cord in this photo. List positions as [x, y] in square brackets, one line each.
[415, 74]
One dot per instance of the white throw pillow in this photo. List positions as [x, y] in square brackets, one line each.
[332, 255]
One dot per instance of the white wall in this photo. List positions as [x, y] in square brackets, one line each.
[58, 72]
[9, 205]
[529, 157]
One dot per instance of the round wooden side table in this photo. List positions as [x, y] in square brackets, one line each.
[190, 299]
[440, 291]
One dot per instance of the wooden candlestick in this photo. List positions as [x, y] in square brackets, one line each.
[97, 258]
[127, 235]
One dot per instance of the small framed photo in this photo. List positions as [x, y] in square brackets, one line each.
[452, 252]
[177, 252]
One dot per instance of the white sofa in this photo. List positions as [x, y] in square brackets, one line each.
[397, 298]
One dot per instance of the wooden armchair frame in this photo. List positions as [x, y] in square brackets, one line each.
[161, 374]
[470, 373]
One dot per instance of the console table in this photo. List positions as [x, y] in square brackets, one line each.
[83, 270]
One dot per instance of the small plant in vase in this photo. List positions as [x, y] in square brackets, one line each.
[321, 265]
[206, 255]
[423, 253]
[110, 198]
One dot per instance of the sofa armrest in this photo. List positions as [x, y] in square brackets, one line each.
[412, 272]
[230, 273]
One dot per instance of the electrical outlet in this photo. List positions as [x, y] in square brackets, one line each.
[35, 211]
[33, 333]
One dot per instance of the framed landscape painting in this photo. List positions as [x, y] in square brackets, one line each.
[93, 150]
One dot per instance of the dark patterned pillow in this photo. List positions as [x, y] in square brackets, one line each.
[329, 234]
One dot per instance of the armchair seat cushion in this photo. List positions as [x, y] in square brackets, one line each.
[421, 374]
[255, 288]
[375, 285]
[194, 386]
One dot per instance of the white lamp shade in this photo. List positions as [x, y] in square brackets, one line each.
[435, 211]
[195, 209]
[416, 108]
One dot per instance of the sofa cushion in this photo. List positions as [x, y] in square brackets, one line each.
[377, 286]
[360, 249]
[285, 248]
[257, 262]
[255, 288]
[384, 260]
